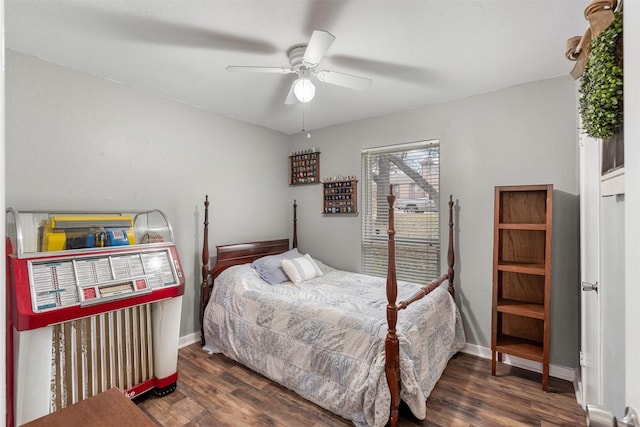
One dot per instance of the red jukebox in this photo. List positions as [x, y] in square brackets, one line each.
[93, 302]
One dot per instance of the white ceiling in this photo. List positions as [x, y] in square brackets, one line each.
[416, 52]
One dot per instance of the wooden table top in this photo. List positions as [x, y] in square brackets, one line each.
[108, 409]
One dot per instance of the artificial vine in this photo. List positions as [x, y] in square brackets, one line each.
[601, 103]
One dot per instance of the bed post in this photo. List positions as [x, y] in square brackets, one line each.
[204, 287]
[450, 254]
[295, 224]
[392, 346]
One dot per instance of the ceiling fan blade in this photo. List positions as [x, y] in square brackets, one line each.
[344, 80]
[275, 70]
[318, 45]
[391, 70]
[291, 97]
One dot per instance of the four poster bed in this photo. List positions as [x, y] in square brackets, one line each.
[323, 335]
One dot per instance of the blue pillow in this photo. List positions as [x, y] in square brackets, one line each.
[269, 268]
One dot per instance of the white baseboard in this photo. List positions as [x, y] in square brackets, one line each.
[577, 386]
[188, 339]
[561, 372]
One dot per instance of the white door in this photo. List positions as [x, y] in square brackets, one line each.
[591, 372]
[632, 204]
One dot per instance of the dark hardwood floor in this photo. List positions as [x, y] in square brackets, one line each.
[216, 391]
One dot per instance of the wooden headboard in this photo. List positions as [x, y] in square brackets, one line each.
[235, 254]
[244, 253]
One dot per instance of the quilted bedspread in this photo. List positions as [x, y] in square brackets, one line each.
[324, 338]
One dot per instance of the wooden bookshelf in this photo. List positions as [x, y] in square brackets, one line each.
[522, 274]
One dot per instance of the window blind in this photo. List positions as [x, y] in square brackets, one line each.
[414, 171]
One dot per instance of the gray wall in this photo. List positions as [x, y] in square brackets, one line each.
[78, 142]
[521, 135]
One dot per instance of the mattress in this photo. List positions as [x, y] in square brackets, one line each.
[324, 338]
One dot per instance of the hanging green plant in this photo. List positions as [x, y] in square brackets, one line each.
[601, 103]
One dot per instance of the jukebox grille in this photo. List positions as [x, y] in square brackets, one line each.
[96, 353]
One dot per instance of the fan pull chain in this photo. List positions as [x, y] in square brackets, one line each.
[303, 128]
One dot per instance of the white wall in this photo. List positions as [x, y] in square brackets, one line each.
[77, 142]
[612, 307]
[521, 135]
[632, 201]
[620, 230]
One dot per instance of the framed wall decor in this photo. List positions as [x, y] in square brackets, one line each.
[340, 195]
[304, 167]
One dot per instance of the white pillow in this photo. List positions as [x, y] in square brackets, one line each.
[300, 269]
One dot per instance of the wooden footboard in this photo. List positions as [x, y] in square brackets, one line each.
[229, 255]
[392, 345]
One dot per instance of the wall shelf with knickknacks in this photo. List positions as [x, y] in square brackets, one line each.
[340, 194]
[304, 167]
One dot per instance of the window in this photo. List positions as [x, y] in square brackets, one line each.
[414, 171]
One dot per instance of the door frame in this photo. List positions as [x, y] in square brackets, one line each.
[590, 193]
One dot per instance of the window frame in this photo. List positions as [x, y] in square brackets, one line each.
[374, 237]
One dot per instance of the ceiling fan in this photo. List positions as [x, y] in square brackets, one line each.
[304, 59]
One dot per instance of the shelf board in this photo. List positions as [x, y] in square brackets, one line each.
[518, 267]
[518, 226]
[293, 184]
[519, 347]
[520, 308]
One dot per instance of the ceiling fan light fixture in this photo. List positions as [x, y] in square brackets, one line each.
[304, 89]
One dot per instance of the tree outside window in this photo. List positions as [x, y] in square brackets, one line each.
[413, 170]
